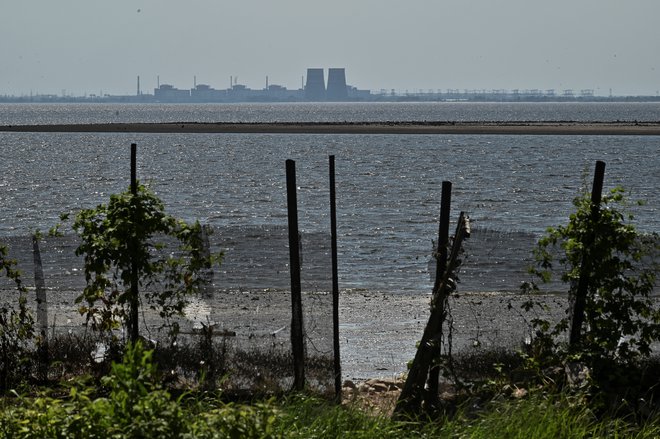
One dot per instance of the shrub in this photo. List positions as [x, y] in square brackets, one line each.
[621, 319]
[124, 243]
[16, 329]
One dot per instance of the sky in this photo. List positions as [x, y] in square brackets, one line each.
[91, 46]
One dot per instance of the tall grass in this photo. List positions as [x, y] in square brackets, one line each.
[535, 417]
[130, 402]
[82, 416]
[545, 417]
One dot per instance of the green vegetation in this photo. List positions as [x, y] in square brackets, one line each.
[130, 403]
[609, 361]
[621, 319]
[16, 329]
[123, 245]
[601, 386]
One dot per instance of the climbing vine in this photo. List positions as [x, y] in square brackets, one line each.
[16, 327]
[132, 237]
[621, 319]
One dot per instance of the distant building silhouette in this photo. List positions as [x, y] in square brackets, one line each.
[167, 93]
[315, 86]
[337, 89]
[204, 93]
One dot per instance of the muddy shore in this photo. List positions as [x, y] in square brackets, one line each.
[378, 331]
[399, 127]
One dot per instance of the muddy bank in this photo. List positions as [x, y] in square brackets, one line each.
[399, 127]
[378, 331]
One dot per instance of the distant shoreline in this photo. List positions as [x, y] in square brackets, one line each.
[504, 128]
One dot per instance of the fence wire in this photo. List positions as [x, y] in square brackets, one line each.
[244, 311]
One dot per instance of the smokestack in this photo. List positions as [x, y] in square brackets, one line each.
[266, 82]
[158, 81]
[138, 85]
[231, 82]
[194, 81]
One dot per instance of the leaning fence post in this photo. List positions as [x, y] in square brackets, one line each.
[42, 307]
[577, 316]
[335, 280]
[297, 341]
[441, 265]
[413, 393]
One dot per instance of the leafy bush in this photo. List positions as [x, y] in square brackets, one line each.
[16, 329]
[130, 403]
[621, 319]
[120, 242]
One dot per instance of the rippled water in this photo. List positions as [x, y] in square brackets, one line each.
[22, 114]
[388, 186]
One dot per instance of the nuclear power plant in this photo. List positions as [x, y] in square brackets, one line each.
[313, 90]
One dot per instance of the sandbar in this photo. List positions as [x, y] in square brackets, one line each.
[398, 127]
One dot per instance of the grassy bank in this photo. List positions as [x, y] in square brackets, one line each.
[79, 416]
[130, 401]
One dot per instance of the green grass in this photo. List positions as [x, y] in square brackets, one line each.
[156, 415]
[130, 402]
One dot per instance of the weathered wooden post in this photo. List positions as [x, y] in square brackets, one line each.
[134, 298]
[207, 272]
[441, 265]
[413, 393]
[577, 316]
[335, 280]
[42, 307]
[297, 336]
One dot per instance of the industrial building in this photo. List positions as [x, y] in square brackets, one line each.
[314, 90]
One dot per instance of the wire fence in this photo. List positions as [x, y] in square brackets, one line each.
[244, 310]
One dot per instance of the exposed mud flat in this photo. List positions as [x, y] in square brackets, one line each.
[394, 127]
[378, 331]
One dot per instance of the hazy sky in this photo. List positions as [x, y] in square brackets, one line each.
[85, 46]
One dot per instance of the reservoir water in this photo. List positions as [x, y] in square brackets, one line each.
[388, 186]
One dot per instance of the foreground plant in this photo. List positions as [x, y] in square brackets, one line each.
[129, 240]
[16, 328]
[621, 319]
[131, 403]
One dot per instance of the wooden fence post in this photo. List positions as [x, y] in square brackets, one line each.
[297, 337]
[42, 308]
[133, 331]
[207, 272]
[413, 393]
[335, 280]
[441, 265]
[577, 316]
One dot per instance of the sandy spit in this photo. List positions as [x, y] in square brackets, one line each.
[508, 128]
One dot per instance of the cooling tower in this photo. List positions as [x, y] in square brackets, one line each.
[315, 86]
[337, 90]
